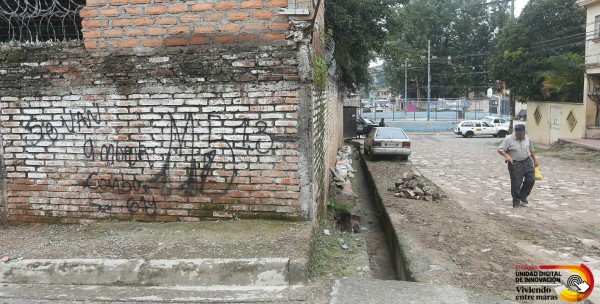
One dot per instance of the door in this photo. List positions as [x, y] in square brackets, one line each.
[349, 122]
[488, 129]
[555, 115]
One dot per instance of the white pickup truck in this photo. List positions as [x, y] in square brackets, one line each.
[470, 128]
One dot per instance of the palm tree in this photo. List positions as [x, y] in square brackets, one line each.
[563, 81]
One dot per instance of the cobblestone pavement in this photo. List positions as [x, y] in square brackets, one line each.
[476, 175]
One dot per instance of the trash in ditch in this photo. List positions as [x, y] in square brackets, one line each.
[486, 249]
[5, 259]
[326, 232]
[345, 247]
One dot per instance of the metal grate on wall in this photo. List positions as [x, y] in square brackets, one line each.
[40, 20]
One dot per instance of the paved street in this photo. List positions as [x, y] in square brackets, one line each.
[473, 172]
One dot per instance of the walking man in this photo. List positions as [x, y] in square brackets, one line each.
[520, 157]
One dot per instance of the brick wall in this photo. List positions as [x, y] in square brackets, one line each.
[171, 136]
[125, 24]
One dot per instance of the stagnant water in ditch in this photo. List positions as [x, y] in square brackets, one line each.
[380, 258]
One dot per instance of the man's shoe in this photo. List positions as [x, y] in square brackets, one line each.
[524, 201]
[516, 204]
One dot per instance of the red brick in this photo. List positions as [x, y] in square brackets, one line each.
[191, 18]
[177, 30]
[154, 10]
[196, 40]
[248, 38]
[140, 1]
[277, 3]
[224, 39]
[201, 7]
[121, 22]
[204, 29]
[134, 11]
[263, 15]
[175, 42]
[94, 23]
[274, 37]
[229, 28]
[156, 31]
[237, 16]
[90, 3]
[118, 2]
[279, 26]
[226, 6]
[166, 21]
[129, 43]
[143, 21]
[252, 4]
[262, 180]
[88, 13]
[135, 33]
[151, 42]
[214, 17]
[253, 27]
[177, 8]
[92, 34]
[113, 33]
[110, 12]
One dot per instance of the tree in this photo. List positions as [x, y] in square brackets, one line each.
[564, 78]
[359, 30]
[462, 37]
[544, 29]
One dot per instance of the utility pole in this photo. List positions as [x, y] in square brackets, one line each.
[428, 79]
[512, 10]
[405, 83]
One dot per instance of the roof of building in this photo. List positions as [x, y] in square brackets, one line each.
[586, 3]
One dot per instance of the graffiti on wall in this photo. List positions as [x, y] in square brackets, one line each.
[187, 141]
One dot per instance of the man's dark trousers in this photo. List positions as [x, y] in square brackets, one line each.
[522, 179]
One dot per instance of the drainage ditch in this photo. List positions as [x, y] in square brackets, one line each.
[386, 257]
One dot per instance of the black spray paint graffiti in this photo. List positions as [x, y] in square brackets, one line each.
[102, 208]
[73, 123]
[147, 206]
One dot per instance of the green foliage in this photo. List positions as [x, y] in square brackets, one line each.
[564, 78]
[319, 73]
[544, 29]
[359, 29]
[461, 29]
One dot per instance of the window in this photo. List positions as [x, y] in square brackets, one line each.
[497, 120]
[485, 124]
[478, 124]
[391, 134]
[597, 30]
[467, 124]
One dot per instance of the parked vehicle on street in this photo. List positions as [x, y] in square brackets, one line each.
[470, 128]
[364, 126]
[496, 121]
[522, 116]
[387, 141]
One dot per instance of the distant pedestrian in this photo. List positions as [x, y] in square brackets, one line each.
[519, 153]
[382, 123]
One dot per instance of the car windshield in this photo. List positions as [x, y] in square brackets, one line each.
[368, 121]
[391, 134]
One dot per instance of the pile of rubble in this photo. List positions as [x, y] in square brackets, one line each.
[344, 171]
[414, 186]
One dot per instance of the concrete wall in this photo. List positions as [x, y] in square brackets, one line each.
[592, 59]
[540, 133]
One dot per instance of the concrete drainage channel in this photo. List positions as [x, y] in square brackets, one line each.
[395, 254]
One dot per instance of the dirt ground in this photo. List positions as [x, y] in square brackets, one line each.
[474, 244]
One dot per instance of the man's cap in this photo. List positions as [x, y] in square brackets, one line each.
[520, 128]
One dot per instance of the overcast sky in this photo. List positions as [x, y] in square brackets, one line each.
[519, 5]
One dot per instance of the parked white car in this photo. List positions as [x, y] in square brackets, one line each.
[387, 141]
[497, 121]
[470, 128]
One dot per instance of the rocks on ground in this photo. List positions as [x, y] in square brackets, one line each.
[413, 185]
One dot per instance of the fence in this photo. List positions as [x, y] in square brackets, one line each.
[439, 110]
[40, 20]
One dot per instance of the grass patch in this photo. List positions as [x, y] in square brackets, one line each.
[572, 152]
[329, 259]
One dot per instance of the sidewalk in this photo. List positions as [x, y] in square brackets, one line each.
[589, 143]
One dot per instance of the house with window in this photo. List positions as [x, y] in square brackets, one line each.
[592, 67]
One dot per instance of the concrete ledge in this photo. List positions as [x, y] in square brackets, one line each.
[197, 272]
[174, 294]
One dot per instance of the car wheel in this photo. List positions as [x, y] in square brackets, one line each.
[470, 134]
[404, 158]
[502, 134]
[495, 135]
